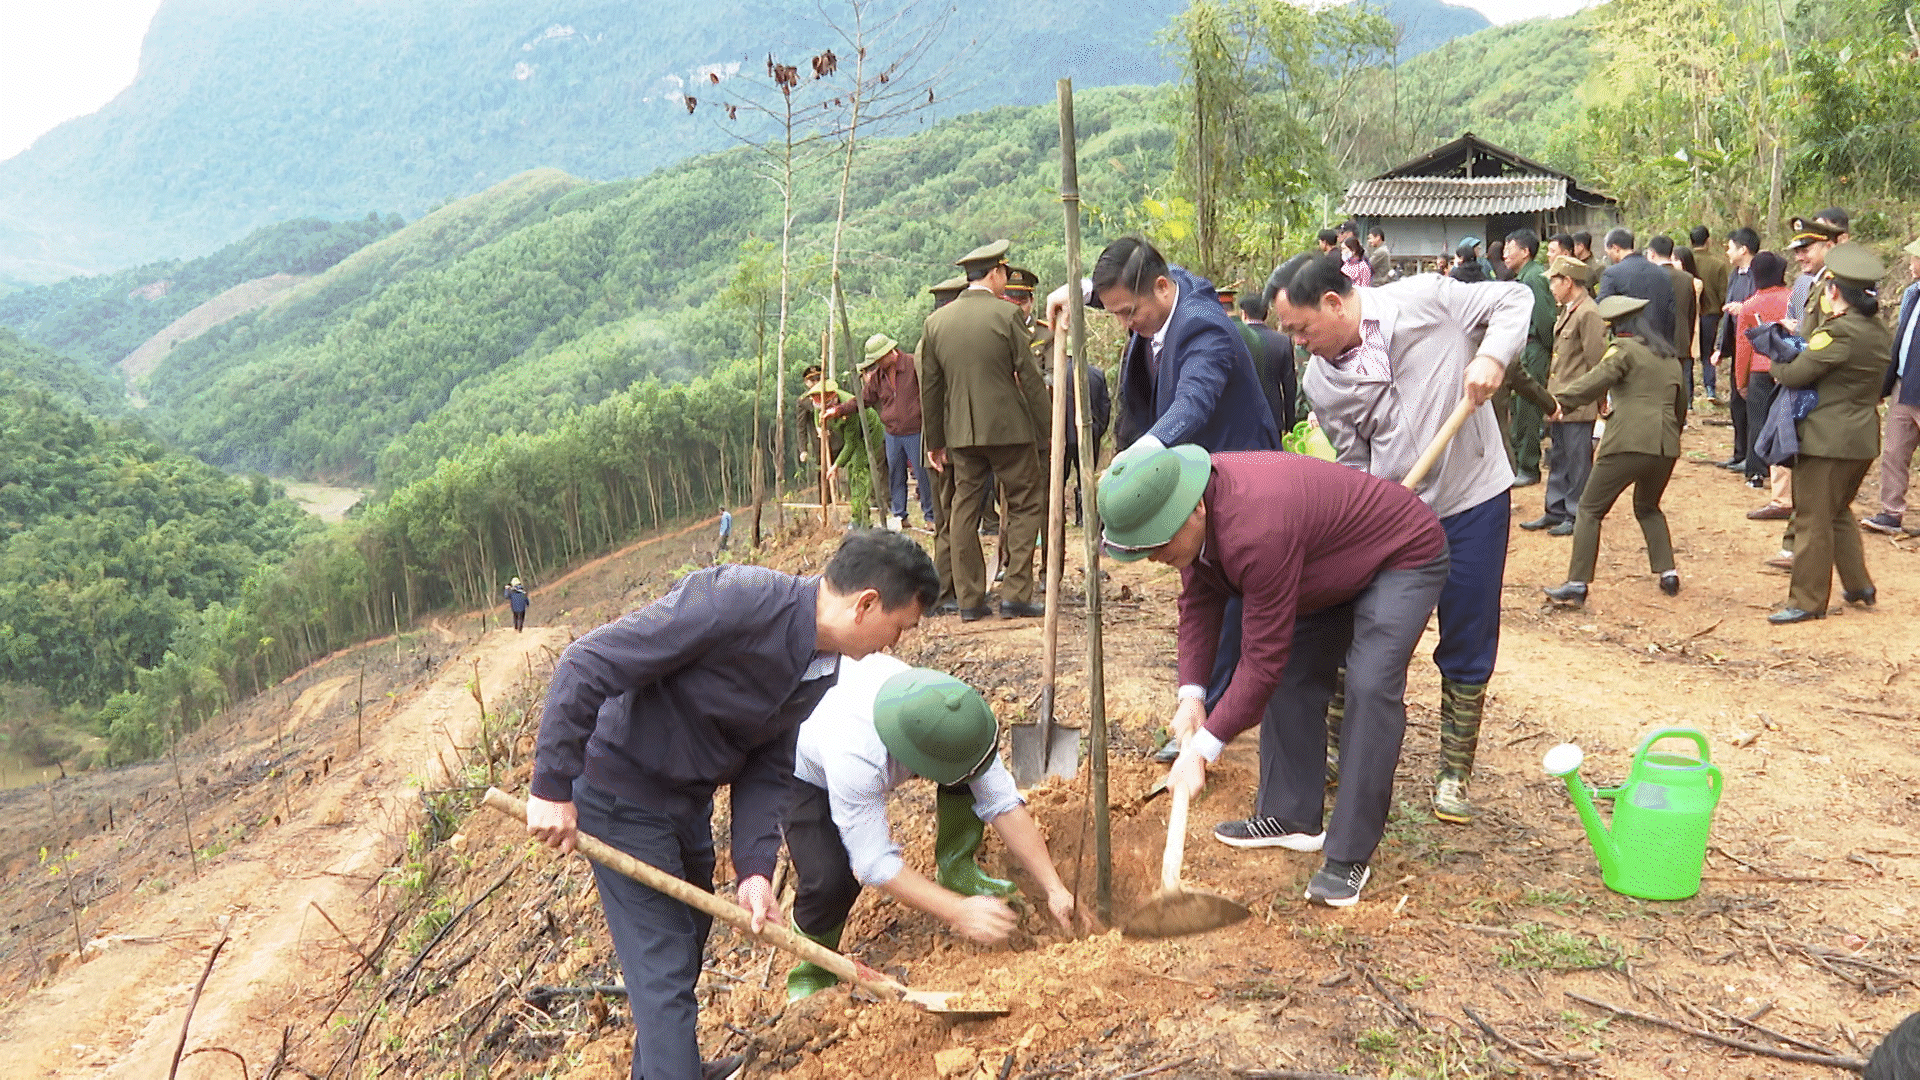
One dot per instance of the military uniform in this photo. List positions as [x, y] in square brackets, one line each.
[983, 402]
[1839, 440]
[1640, 447]
[1527, 424]
[1714, 271]
[942, 479]
[1579, 342]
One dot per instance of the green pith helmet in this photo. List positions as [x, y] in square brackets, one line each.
[1619, 306]
[1144, 501]
[935, 725]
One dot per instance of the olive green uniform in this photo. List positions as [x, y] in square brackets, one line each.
[1839, 441]
[983, 402]
[1640, 447]
[1528, 424]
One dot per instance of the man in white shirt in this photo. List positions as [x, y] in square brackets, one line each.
[881, 725]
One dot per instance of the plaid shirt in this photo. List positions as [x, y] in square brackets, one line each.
[1369, 358]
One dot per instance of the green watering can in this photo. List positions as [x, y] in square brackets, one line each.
[1661, 816]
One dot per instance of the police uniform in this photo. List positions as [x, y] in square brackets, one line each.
[983, 402]
[1844, 361]
[1639, 449]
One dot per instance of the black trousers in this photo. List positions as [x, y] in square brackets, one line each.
[520, 620]
[1760, 395]
[659, 939]
[1737, 412]
[824, 885]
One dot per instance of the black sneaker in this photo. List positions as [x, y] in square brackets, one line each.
[725, 1068]
[1267, 832]
[1338, 884]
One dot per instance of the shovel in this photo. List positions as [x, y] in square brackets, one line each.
[1174, 911]
[849, 971]
[1048, 749]
[1431, 455]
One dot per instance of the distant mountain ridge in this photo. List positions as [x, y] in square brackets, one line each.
[246, 113]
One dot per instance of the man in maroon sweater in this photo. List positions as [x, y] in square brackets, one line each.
[1333, 567]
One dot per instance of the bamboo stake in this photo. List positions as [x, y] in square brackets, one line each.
[1096, 668]
[1056, 545]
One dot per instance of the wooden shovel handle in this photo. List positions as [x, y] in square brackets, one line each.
[732, 914]
[1438, 446]
[1176, 842]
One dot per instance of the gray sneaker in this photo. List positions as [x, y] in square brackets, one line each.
[1258, 832]
[1338, 884]
[1883, 522]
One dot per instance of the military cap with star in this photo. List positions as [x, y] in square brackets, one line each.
[1807, 232]
[1019, 277]
[986, 255]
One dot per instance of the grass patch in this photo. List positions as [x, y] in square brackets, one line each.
[436, 915]
[1540, 949]
[1378, 1041]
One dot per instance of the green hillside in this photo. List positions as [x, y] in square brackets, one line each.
[108, 540]
[501, 312]
[1518, 85]
[103, 318]
[89, 387]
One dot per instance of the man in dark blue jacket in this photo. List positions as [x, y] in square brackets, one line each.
[708, 685]
[1186, 377]
[1633, 274]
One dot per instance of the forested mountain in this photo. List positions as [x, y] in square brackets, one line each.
[85, 385]
[1428, 24]
[103, 318]
[503, 311]
[246, 113]
[108, 540]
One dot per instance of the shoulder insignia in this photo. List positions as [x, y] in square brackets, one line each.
[1820, 340]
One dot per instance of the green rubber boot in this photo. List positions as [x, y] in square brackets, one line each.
[808, 978]
[958, 839]
[1460, 708]
[1336, 716]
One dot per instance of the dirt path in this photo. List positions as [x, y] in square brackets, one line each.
[119, 1014]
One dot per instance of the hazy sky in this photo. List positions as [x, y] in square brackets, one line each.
[65, 58]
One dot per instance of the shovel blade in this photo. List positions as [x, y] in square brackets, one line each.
[960, 1002]
[1172, 914]
[1031, 760]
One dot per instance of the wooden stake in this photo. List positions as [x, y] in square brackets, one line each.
[181, 1046]
[1096, 668]
[1056, 544]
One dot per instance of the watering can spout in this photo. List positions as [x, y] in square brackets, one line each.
[1564, 761]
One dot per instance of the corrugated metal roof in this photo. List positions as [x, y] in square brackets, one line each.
[1424, 196]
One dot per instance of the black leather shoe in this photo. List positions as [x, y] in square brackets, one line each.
[1012, 610]
[950, 607]
[722, 1068]
[1544, 521]
[1565, 528]
[1793, 615]
[974, 614]
[1670, 583]
[1865, 597]
[1573, 592]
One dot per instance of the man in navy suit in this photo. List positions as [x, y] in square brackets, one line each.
[1633, 274]
[1186, 377]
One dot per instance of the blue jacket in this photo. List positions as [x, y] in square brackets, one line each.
[1909, 386]
[516, 598]
[1638, 277]
[1207, 392]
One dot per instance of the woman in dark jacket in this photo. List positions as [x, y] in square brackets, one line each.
[1467, 266]
[1839, 439]
[1640, 447]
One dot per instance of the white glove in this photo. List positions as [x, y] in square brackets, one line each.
[1142, 447]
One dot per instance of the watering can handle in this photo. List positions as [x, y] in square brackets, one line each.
[1698, 739]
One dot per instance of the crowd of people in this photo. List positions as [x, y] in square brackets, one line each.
[1305, 583]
